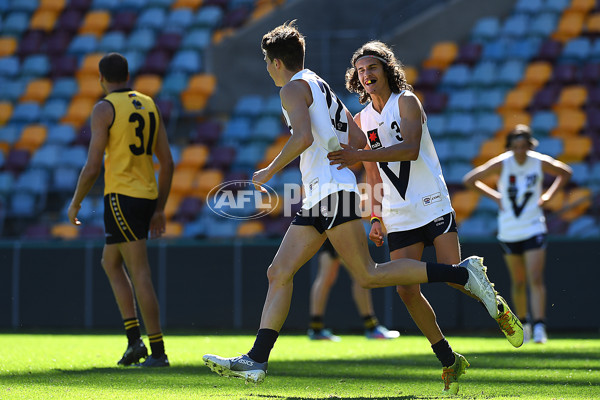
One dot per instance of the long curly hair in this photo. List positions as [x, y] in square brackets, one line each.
[392, 66]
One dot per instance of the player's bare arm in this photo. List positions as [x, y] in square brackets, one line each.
[162, 151]
[561, 171]
[407, 150]
[295, 98]
[474, 179]
[102, 117]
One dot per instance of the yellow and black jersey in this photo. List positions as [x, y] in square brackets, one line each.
[128, 163]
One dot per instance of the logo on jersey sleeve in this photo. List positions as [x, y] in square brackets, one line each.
[374, 140]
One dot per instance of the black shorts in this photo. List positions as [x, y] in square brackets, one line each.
[126, 219]
[518, 248]
[425, 234]
[330, 212]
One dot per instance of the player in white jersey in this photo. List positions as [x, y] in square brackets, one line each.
[415, 207]
[318, 119]
[521, 222]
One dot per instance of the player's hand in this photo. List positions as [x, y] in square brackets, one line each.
[260, 177]
[543, 200]
[376, 233]
[346, 157]
[158, 224]
[72, 213]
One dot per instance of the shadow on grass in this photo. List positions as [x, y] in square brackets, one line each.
[534, 368]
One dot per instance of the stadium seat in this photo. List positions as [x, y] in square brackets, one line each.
[456, 76]
[191, 4]
[583, 6]
[30, 43]
[576, 149]
[95, 22]
[250, 229]
[545, 97]
[148, 84]
[189, 209]
[537, 74]
[112, 42]
[523, 49]
[37, 90]
[179, 20]
[570, 26]
[551, 146]
[592, 25]
[487, 123]
[577, 202]
[17, 160]
[63, 66]
[221, 157]
[566, 73]
[15, 23]
[9, 66]
[70, 20]
[79, 111]
[35, 65]
[183, 180]
[188, 61]
[442, 55]
[573, 96]
[206, 181]
[194, 156]
[43, 20]
[517, 99]
[510, 73]
[489, 149]
[576, 50]
[585, 226]
[6, 109]
[464, 203]
[207, 132]
[543, 122]
[46, 157]
[123, 21]
[490, 99]
[570, 122]
[550, 50]
[27, 112]
[542, 25]
[486, 28]
[581, 173]
[8, 46]
[515, 26]
[52, 5]
[65, 231]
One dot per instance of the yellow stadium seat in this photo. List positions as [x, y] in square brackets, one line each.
[193, 4]
[573, 96]
[79, 111]
[411, 74]
[273, 150]
[250, 229]
[32, 137]
[442, 54]
[569, 26]
[173, 229]
[43, 20]
[464, 202]
[576, 149]
[95, 23]
[537, 74]
[89, 66]
[570, 122]
[193, 101]
[220, 34]
[584, 6]
[6, 110]
[194, 156]
[489, 149]
[183, 180]
[5, 147]
[206, 181]
[149, 84]
[37, 90]
[512, 119]
[172, 204]
[202, 83]
[65, 230]
[52, 5]
[577, 202]
[517, 99]
[262, 8]
[556, 202]
[89, 86]
[592, 25]
[8, 46]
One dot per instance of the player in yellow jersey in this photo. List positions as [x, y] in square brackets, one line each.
[127, 127]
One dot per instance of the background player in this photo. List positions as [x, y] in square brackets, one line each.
[521, 222]
[128, 126]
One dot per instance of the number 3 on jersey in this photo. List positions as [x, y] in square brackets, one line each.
[400, 182]
[139, 133]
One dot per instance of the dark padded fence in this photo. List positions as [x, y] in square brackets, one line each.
[222, 285]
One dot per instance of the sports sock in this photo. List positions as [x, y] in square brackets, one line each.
[446, 273]
[316, 323]
[523, 320]
[132, 330]
[157, 345]
[444, 352]
[265, 340]
[539, 321]
[370, 322]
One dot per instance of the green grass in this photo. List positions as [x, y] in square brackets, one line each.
[84, 367]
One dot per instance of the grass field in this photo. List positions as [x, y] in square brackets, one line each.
[61, 366]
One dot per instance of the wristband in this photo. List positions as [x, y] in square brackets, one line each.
[375, 218]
